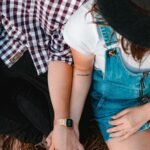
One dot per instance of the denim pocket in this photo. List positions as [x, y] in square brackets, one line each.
[96, 100]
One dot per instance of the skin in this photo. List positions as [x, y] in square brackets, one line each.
[130, 122]
[61, 138]
[127, 120]
[81, 83]
[137, 141]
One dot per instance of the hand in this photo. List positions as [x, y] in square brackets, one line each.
[63, 138]
[48, 140]
[127, 122]
[76, 130]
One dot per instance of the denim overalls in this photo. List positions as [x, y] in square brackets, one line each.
[118, 88]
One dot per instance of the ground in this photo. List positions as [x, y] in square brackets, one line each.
[93, 141]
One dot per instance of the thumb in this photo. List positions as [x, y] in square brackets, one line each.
[81, 147]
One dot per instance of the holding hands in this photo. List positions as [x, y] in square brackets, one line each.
[64, 138]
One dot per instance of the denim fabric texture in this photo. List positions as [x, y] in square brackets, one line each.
[118, 88]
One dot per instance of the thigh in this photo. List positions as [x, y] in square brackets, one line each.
[138, 141]
[32, 103]
[19, 103]
[22, 80]
[28, 91]
[14, 123]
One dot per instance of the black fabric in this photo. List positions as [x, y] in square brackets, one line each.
[85, 121]
[32, 103]
[127, 20]
[25, 108]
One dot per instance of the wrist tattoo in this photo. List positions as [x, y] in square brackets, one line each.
[82, 74]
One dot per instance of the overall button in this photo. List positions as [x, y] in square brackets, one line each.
[111, 53]
[16, 57]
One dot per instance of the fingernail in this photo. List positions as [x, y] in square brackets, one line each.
[109, 122]
[113, 117]
[110, 135]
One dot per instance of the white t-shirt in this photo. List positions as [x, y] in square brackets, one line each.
[81, 34]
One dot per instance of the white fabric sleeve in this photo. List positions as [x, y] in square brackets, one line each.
[78, 32]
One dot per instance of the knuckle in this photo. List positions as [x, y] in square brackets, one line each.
[113, 130]
[119, 128]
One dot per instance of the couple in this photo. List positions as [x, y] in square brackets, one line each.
[110, 45]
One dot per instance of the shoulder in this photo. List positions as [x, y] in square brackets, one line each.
[80, 32]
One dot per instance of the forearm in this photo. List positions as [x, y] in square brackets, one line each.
[60, 82]
[80, 88]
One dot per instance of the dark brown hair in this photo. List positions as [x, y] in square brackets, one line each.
[136, 51]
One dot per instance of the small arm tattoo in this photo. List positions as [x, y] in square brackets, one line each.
[83, 74]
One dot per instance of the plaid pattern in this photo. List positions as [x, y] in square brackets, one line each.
[35, 26]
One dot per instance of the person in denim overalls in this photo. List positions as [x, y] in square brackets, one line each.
[119, 90]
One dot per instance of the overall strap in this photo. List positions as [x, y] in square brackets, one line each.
[107, 34]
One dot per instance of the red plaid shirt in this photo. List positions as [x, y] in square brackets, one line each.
[35, 26]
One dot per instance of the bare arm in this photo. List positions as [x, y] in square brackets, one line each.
[60, 80]
[82, 72]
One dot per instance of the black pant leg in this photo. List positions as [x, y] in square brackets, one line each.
[25, 70]
[13, 122]
[15, 77]
[31, 102]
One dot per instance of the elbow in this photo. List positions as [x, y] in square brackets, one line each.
[83, 70]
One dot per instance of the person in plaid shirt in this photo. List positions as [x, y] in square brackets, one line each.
[31, 44]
